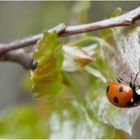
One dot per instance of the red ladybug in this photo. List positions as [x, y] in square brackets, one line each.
[123, 95]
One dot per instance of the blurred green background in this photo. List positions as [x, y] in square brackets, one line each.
[21, 19]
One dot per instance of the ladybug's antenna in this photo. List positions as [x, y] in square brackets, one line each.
[136, 77]
[119, 79]
[137, 73]
[131, 83]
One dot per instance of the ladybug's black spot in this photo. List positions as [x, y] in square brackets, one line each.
[129, 103]
[121, 88]
[107, 89]
[116, 100]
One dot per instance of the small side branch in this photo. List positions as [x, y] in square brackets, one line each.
[20, 57]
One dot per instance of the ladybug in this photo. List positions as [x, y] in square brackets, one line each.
[123, 95]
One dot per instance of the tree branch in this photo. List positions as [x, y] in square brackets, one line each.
[62, 30]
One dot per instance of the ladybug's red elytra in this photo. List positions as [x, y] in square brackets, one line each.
[123, 95]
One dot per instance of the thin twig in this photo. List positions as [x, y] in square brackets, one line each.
[62, 30]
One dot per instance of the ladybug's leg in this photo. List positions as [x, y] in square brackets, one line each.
[130, 104]
[132, 86]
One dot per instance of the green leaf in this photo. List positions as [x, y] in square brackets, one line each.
[80, 12]
[46, 78]
[117, 12]
[22, 122]
[100, 107]
[70, 120]
[126, 46]
[26, 83]
[67, 78]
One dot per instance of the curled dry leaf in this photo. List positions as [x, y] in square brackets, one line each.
[75, 58]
